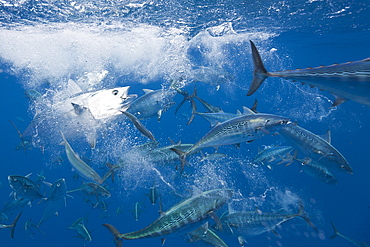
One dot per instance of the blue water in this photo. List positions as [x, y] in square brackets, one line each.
[146, 44]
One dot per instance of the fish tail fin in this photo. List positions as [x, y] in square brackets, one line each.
[193, 111]
[20, 135]
[336, 233]
[186, 96]
[14, 224]
[116, 234]
[302, 213]
[259, 73]
[182, 155]
[254, 106]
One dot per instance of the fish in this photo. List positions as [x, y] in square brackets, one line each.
[211, 157]
[12, 226]
[15, 204]
[164, 155]
[180, 217]
[315, 147]
[139, 125]
[56, 198]
[273, 154]
[246, 128]
[152, 104]
[346, 81]
[354, 242]
[94, 191]
[206, 235]
[24, 187]
[81, 167]
[136, 211]
[153, 194]
[253, 223]
[318, 171]
[81, 229]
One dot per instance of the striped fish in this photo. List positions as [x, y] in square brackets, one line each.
[179, 218]
[314, 147]
[345, 81]
[318, 171]
[245, 128]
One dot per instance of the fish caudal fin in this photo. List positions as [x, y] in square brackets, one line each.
[259, 73]
[302, 213]
[193, 111]
[336, 233]
[14, 224]
[182, 155]
[115, 234]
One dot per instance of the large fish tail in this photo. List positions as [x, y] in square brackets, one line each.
[182, 155]
[115, 233]
[302, 213]
[193, 111]
[259, 73]
[336, 233]
[14, 224]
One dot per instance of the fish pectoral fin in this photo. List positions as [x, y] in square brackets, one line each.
[216, 219]
[163, 240]
[338, 100]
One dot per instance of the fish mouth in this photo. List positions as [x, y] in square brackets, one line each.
[127, 99]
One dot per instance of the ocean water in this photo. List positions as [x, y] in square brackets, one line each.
[147, 45]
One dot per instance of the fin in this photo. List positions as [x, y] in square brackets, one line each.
[303, 215]
[159, 113]
[72, 88]
[241, 240]
[327, 136]
[20, 136]
[247, 111]
[146, 91]
[338, 100]
[78, 109]
[216, 219]
[336, 233]
[115, 234]
[182, 156]
[193, 111]
[163, 240]
[14, 224]
[254, 106]
[259, 73]
[238, 112]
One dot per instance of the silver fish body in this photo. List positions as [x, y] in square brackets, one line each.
[314, 147]
[181, 216]
[24, 187]
[273, 154]
[345, 81]
[318, 171]
[152, 104]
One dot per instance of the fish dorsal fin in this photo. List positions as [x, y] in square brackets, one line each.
[338, 100]
[238, 113]
[163, 240]
[72, 88]
[196, 191]
[327, 136]
[146, 91]
[28, 175]
[47, 183]
[171, 141]
[259, 150]
[247, 111]
[230, 209]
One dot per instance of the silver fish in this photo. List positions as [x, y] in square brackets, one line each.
[336, 234]
[314, 147]
[180, 217]
[139, 125]
[345, 81]
[12, 226]
[55, 200]
[318, 171]
[246, 128]
[152, 104]
[24, 187]
[206, 235]
[81, 229]
[81, 167]
[273, 154]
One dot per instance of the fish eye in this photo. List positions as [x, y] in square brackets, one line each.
[115, 92]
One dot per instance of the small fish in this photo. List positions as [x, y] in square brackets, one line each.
[214, 156]
[81, 229]
[345, 81]
[152, 104]
[246, 128]
[12, 226]
[153, 194]
[164, 155]
[336, 234]
[273, 154]
[180, 217]
[24, 187]
[55, 200]
[139, 125]
[253, 223]
[94, 191]
[136, 211]
[15, 204]
[317, 171]
[315, 147]
[81, 167]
